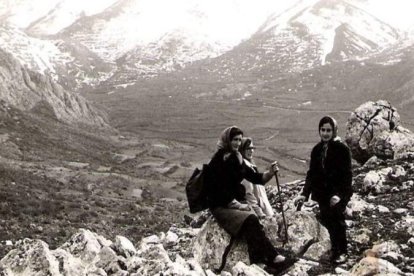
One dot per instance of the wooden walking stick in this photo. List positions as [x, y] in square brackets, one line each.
[283, 212]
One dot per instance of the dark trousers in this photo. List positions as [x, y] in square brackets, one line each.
[259, 246]
[333, 219]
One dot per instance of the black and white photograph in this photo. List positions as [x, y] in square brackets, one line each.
[206, 137]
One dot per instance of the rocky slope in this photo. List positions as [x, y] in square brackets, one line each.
[379, 218]
[29, 91]
[69, 63]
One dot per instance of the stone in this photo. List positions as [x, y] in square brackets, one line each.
[362, 236]
[170, 239]
[124, 247]
[253, 270]
[398, 173]
[32, 257]
[302, 267]
[107, 259]
[68, 264]
[382, 249]
[400, 211]
[155, 259]
[318, 250]
[85, 245]
[374, 266]
[383, 209]
[374, 128]
[153, 239]
[373, 162]
[209, 245]
[357, 204]
[374, 181]
[406, 224]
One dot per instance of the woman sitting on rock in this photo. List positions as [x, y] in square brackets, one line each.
[224, 192]
[329, 180]
[256, 195]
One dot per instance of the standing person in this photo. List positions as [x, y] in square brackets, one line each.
[329, 180]
[256, 195]
[226, 170]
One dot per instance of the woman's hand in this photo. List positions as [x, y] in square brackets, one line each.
[273, 167]
[237, 205]
[270, 172]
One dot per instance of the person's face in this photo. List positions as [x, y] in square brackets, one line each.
[248, 153]
[236, 142]
[326, 132]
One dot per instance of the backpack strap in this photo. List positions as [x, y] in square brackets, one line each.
[224, 257]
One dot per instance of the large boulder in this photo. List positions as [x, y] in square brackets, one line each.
[306, 237]
[85, 245]
[30, 257]
[374, 266]
[374, 128]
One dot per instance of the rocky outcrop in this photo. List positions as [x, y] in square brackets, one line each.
[375, 260]
[178, 252]
[31, 91]
[306, 237]
[87, 253]
[374, 128]
[391, 177]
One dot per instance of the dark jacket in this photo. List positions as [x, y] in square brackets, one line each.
[334, 178]
[224, 179]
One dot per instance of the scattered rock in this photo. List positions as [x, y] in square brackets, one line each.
[374, 129]
[248, 270]
[400, 211]
[374, 266]
[362, 236]
[124, 247]
[383, 209]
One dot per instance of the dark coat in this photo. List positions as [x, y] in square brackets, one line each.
[225, 177]
[335, 178]
[223, 185]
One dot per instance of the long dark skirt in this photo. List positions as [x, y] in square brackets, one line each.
[231, 220]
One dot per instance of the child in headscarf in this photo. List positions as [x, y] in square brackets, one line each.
[256, 195]
[329, 180]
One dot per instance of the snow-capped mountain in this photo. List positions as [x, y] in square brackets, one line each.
[310, 34]
[143, 38]
[47, 17]
[171, 52]
[30, 91]
[68, 63]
